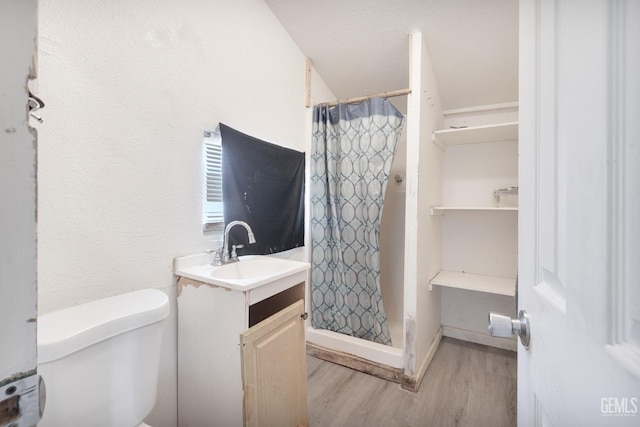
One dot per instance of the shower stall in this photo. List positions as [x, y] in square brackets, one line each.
[391, 241]
[409, 247]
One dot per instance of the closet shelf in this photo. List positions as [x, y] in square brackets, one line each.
[476, 134]
[441, 210]
[475, 282]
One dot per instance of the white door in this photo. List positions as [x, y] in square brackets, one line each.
[579, 220]
[18, 382]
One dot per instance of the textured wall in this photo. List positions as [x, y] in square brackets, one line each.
[129, 87]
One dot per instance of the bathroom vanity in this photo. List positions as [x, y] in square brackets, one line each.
[241, 343]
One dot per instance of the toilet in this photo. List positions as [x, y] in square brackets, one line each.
[100, 360]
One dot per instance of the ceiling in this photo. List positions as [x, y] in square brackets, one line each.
[361, 47]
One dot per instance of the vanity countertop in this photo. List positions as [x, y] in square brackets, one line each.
[250, 272]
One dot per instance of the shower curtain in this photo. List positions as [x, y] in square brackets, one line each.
[352, 151]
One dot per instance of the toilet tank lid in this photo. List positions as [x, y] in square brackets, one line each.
[65, 331]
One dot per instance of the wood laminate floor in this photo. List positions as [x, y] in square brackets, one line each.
[466, 385]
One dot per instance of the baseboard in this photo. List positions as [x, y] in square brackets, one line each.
[408, 382]
[412, 382]
[478, 338]
[355, 362]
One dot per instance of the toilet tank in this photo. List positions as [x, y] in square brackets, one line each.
[100, 360]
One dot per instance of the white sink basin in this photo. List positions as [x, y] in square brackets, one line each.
[248, 268]
[248, 273]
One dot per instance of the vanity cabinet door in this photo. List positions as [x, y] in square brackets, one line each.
[274, 370]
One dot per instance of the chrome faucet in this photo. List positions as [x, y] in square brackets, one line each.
[221, 255]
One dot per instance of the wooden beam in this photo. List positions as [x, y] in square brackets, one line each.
[389, 94]
[307, 85]
[358, 363]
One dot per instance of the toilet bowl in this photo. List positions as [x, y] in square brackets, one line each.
[100, 360]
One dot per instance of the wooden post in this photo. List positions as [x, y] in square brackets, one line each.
[307, 85]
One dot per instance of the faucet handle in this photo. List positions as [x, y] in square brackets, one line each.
[217, 256]
[234, 254]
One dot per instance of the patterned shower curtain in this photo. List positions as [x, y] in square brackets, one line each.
[352, 151]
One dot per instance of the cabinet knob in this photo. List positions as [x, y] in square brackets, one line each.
[304, 316]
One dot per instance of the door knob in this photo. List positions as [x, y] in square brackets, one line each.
[505, 326]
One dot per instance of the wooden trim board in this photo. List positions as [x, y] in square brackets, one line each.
[307, 84]
[358, 363]
[408, 382]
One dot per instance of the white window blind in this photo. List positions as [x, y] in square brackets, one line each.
[212, 154]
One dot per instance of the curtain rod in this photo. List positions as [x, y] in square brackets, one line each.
[390, 94]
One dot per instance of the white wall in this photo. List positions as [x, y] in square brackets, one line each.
[464, 316]
[429, 228]
[424, 189]
[17, 195]
[129, 87]
[392, 230]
